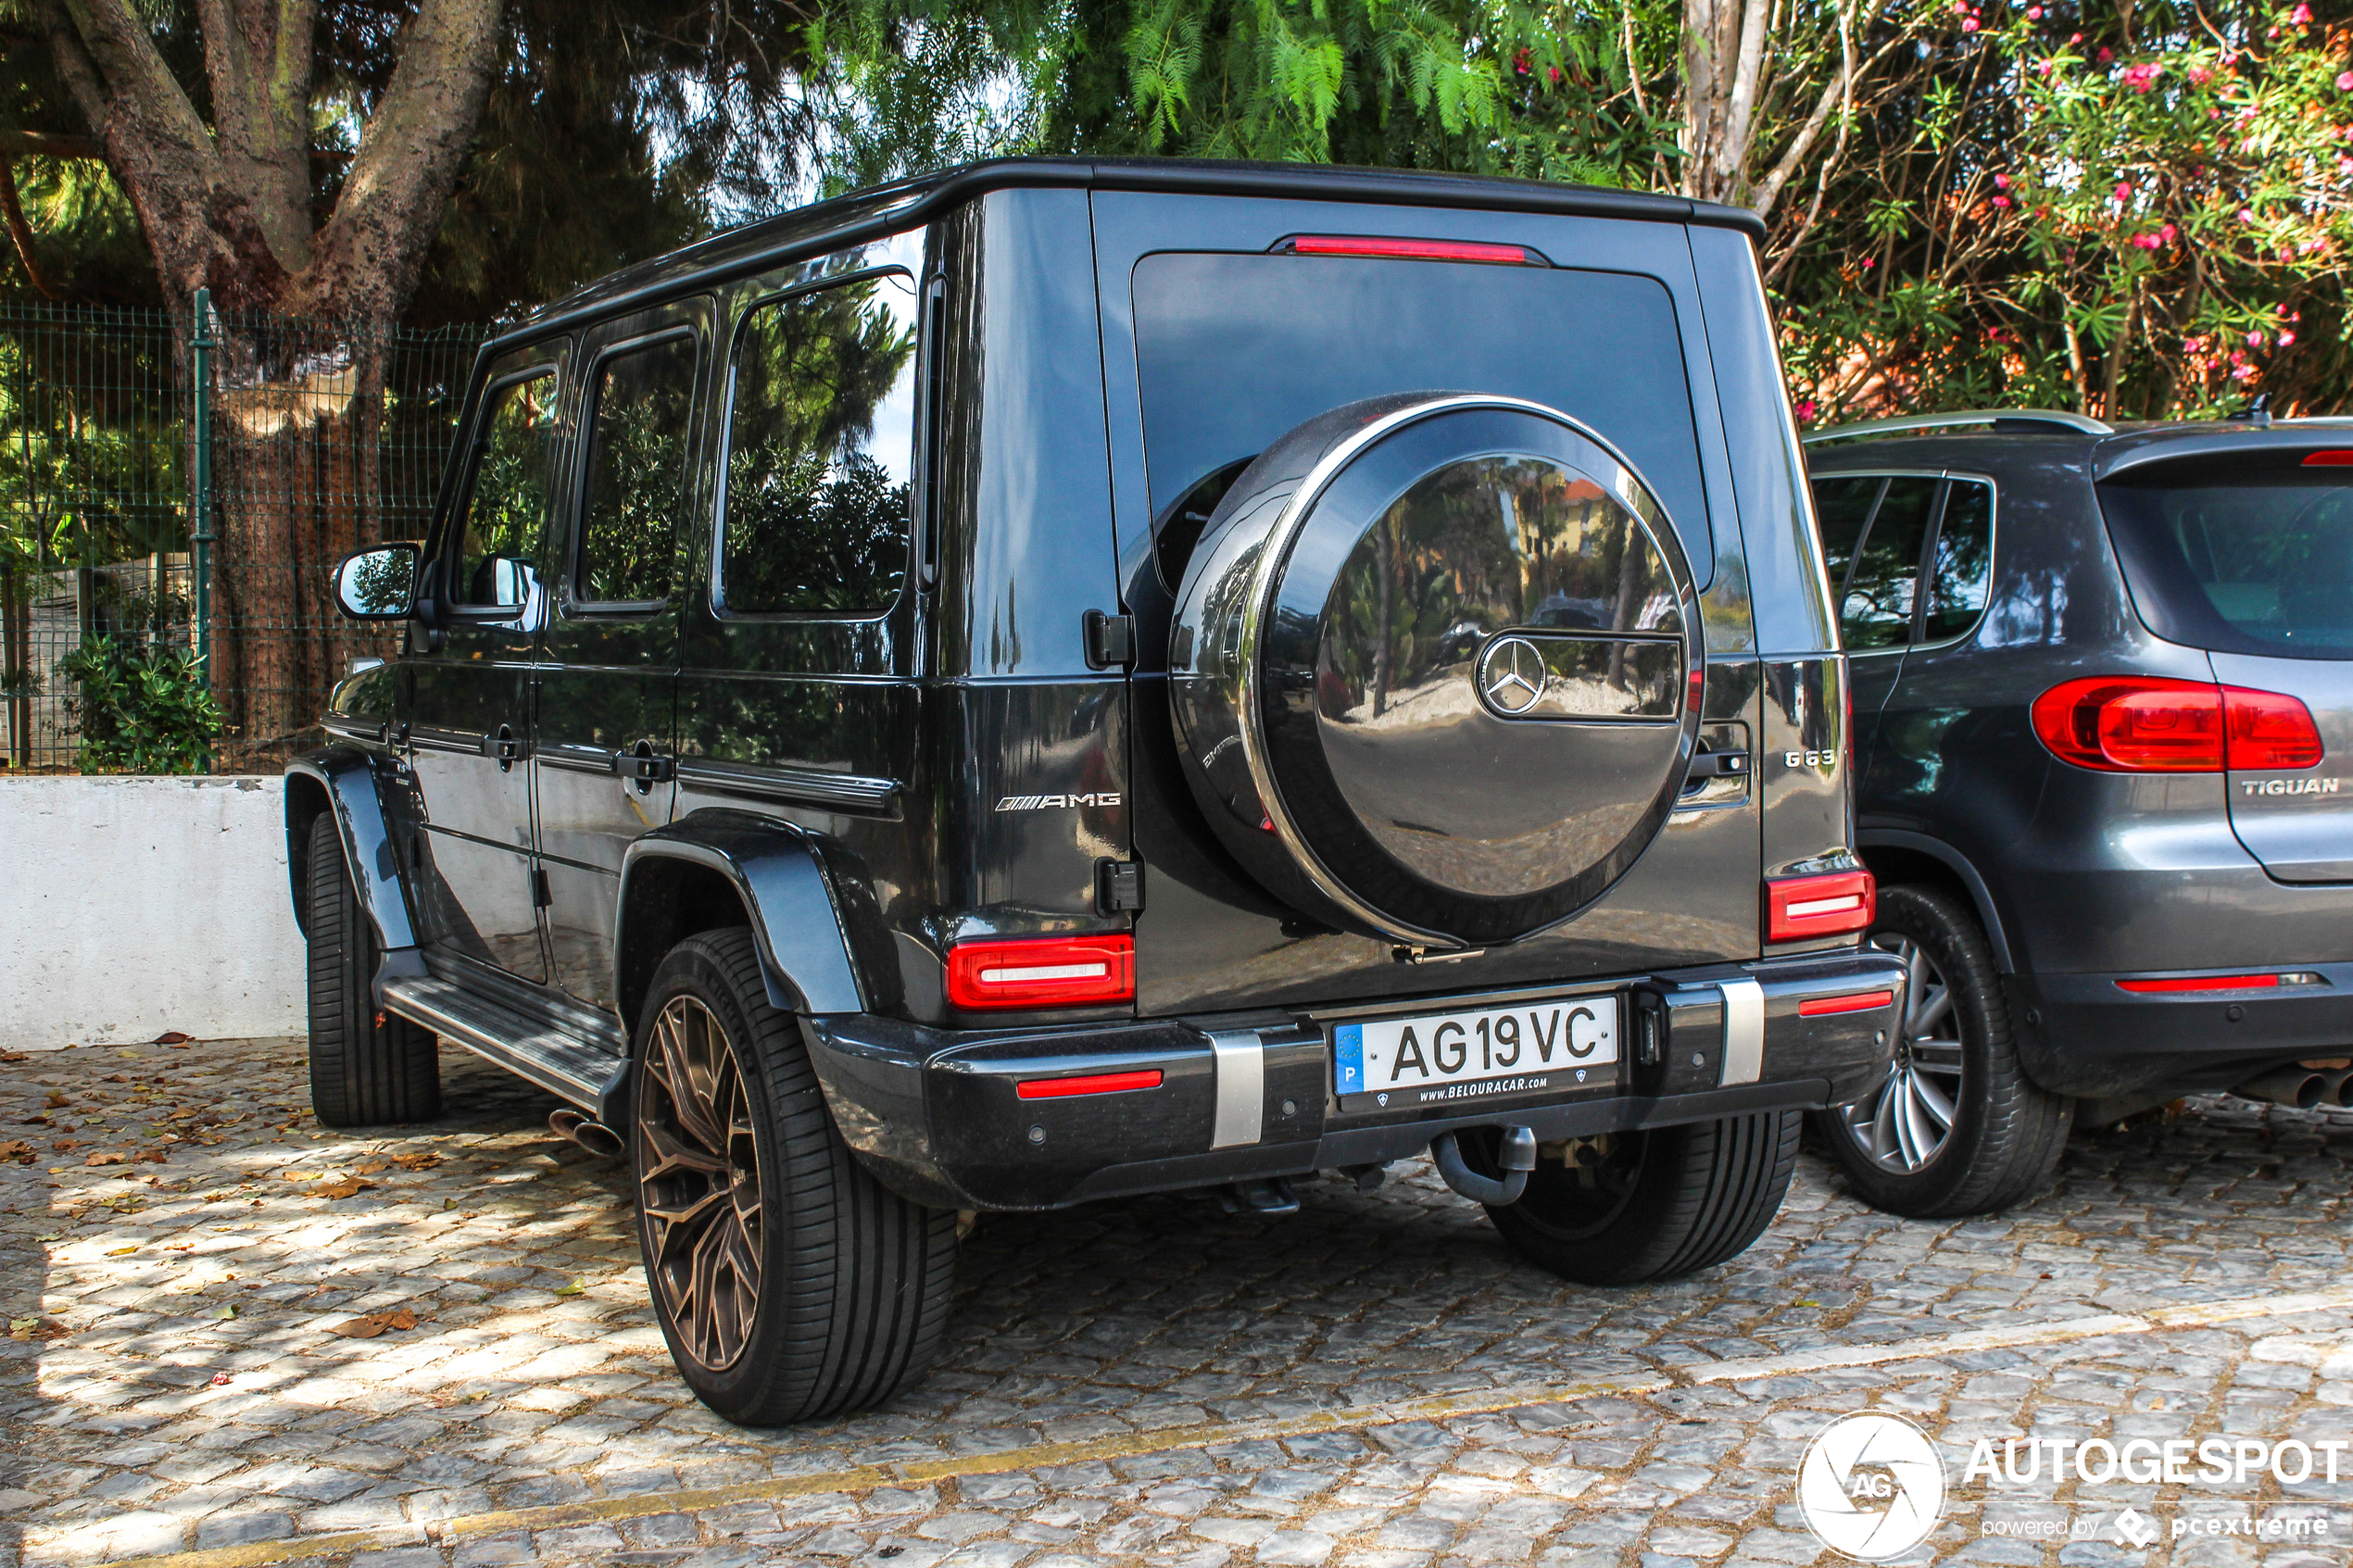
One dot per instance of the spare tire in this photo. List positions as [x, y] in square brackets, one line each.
[1435, 667]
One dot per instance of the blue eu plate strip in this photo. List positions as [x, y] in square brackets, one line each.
[1347, 1058]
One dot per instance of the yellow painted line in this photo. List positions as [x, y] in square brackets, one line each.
[1350, 1418]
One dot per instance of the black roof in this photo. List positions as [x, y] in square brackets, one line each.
[869, 214]
[2125, 447]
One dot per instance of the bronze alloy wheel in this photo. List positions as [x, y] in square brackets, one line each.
[698, 1184]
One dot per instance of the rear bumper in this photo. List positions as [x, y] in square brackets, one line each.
[939, 1116]
[2085, 1035]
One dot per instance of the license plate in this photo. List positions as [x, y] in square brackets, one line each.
[1551, 1047]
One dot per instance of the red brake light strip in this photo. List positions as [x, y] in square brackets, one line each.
[2328, 460]
[1093, 1083]
[2203, 983]
[1861, 1001]
[1409, 250]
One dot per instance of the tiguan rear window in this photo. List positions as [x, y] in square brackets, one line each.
[2252, 558]
[1233, 351]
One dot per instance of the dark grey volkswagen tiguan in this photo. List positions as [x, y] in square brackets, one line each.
[2103, 688]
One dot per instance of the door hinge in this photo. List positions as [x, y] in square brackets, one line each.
[1119, 886]
[541, 895]
[1111, 640]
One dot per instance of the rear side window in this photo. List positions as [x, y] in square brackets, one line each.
[821, 451]
[2249, 561]
[506, 513]
[1234, 351]
[1843, 507]
[1962, 573]
[1876, 610]
[637, 475]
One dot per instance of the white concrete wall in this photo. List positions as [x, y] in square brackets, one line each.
[131, 907]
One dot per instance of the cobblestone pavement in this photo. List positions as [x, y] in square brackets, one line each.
[1370, 1382]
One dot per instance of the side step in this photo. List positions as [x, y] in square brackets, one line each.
[584, 1072]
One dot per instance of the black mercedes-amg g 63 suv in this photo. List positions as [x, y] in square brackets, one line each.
[1065, 679]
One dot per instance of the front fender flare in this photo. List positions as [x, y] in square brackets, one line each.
[346, 779]
[777, 870]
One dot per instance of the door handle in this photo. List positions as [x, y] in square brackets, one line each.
[1719, 765]
[644, 766]
[505, 748]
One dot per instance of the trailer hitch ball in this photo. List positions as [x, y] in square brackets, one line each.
[1517, 1154]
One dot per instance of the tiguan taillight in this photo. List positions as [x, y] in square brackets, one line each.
[2151, 724]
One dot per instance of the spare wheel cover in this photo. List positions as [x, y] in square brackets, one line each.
[1434, 662]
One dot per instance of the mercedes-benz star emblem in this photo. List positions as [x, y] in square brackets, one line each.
[1511, 675]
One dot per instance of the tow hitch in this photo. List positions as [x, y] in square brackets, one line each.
[1518, 1157]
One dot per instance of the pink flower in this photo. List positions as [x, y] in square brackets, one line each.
[1520, 62]
[2345, 81]
[2245, 372]
[2033, 13]
[2255, 340]
[1805, 411]
[2146, 241]
[1554, 73]
[2041, 67]
[2123, 191]
[2199, 76]
[2076, 38]
[2286, 338]
[1870, 262]
[2167, 233]
[2001, 201]
[2247, 215]
[1968, 25]
[2001, 181]
[2107, 54]
[2301, 16]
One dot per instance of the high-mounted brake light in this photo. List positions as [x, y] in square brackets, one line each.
[2328, 460]
[2151, 724]
[1411, 250]
[1042, 971]
[1092, 1084]
[1828, 904]
[1861, 1001]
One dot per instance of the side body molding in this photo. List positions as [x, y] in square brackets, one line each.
[343, 779]
[777, 870]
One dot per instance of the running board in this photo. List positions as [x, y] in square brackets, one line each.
[587, 1072]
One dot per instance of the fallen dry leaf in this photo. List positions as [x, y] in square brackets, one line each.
[399, 1319]
[171, 1037]
[416, 1162]
[14, 1055]
[17, 1150]
[302, 1175]
[369, 1167]
[56, 1100]
[120, 1251]
[118, 1078]
[104, 1157]
[346, 1186]
[67, 1146]
[575, 1289]
[37, 1328]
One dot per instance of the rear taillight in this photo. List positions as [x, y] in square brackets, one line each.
[1830, 905]
[1861, 1001]
[1092, 1084]
[2267, 731]
[2151, 724]
[1042, 971]
[2328, 460]
[1410, 250]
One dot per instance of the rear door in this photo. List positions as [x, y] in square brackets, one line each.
[2250, 557]
[606, 740]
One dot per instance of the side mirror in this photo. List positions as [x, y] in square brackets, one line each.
[379, 584]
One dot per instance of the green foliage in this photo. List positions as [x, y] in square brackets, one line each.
[140, 699]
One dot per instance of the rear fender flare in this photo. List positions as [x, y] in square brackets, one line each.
[1980, 896]
[788, 900]
[343, 779]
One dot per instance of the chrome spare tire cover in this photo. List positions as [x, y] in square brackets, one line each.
[1435, 666]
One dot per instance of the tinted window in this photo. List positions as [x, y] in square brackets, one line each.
[2257, 563]
[1963, 569]
[506, 505]
[820, 451]
[637, 483]
[1877, 609]
[1842, 507]
[1233, 351]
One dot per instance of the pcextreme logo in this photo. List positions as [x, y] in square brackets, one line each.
[1871, 1486]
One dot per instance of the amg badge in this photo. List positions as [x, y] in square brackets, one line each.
[1043, 802]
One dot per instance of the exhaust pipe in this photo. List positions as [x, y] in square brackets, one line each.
[588, 1133]
[2297, 1088]
[1518, 1156]
[2337, 1088]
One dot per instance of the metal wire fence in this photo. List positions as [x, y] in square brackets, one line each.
[175, 488]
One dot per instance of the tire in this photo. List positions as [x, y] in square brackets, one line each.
[1955, 1054]
[1654, 1205]
[367, 1068]
[842, 1301]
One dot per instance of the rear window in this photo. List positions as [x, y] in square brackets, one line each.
[2238, 561]
[1234, 351]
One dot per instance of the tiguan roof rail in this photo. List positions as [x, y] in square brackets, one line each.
[2057, 418]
